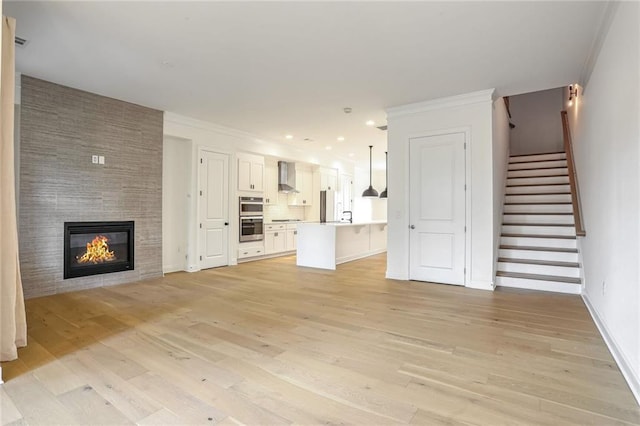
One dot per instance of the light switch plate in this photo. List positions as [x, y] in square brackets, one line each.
[94, 159]
[101, 159]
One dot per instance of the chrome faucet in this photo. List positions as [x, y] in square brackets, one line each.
[350, 219]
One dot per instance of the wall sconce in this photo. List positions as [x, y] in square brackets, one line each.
[573, 93]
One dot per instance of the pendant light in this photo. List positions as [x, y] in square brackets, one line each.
[383, 194]
[370, 192]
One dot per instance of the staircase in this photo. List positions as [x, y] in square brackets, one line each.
[538, 247]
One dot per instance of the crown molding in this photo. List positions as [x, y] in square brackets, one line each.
[441, 103]
[181, 120]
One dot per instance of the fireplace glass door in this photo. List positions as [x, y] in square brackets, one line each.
[97, 248]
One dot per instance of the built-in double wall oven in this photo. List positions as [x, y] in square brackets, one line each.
[251, 219]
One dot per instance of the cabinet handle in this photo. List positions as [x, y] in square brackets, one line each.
[275, 235]
[295, 232]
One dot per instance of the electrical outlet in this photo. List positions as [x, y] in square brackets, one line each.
[604, 287]
[94, 159]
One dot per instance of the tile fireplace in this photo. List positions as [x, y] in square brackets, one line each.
[92, 248]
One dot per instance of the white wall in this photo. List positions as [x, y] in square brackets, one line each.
[606, 135]
[176, 178]
[538, 124]
[501, 138]
[366, 209]
[472, 112]
[199, 134]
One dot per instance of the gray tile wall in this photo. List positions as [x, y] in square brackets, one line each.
[60, 129]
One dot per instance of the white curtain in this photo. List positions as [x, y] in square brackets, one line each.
[13, 324]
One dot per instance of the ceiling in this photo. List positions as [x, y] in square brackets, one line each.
[278, 68]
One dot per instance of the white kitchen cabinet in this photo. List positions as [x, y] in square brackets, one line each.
[292, 238]
[244, 253]
[271, 183]
[304, 185]
[275, 241]
[328, 179]
[250, 172]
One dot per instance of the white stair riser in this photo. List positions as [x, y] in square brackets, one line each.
[539, 230]
[537, 189]
[538, 242]
[538, 198]
[538, 218]
[538, 157]
[558, 287]
[538, 180]
[538, 164]
[538, 208]
[537, 172]
[526, 268]
[538, 255]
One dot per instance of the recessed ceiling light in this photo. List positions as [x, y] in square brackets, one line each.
[370, 123]
[328, 148]
[351, 154]
[340, 138]
[288, 137]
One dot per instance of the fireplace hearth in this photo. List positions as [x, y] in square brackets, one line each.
[92, 248]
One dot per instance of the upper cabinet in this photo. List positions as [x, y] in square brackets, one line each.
[270, 183]
[304, 186]
[250, 172]
[328, 179]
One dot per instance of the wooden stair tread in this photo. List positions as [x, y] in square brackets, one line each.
[536, 184]
[560, 237]
[568, 280]
[534, 176]
[537, 153]
[539, 262]
[537, 224]
[534, 248]
[539, 193]
[539, 202]
[538, 168]
[540, 213]
[537, 161]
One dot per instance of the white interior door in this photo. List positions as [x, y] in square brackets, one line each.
[214, 209]
[437, 208]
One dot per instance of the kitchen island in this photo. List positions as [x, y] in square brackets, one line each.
[325, 245]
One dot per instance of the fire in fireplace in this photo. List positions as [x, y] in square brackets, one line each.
[97, 248]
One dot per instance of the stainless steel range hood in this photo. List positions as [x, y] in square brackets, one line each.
[286, 177]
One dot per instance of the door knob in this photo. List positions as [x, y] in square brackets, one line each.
[412, 226]
[226, 224]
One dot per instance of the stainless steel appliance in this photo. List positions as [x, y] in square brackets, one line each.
[327, 206]
[251, 219]
[251, 206]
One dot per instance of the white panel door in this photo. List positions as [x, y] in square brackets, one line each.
[214, 209]
[437, 209]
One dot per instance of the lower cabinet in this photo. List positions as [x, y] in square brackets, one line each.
[280, 238]
[250, 252]
[292, 239]
[275, 241]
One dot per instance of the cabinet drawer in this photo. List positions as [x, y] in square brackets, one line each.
[275, 227]
[292, 226]
[250, 252]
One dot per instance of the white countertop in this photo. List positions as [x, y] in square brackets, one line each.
[340, 224]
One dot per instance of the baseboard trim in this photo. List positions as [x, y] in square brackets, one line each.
[625, 367]
[481, 285]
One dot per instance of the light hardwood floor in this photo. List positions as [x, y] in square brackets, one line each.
[270, 343]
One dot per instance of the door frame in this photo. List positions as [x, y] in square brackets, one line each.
[466, 130]
[200, 151]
